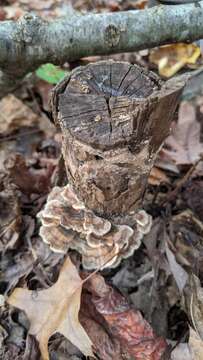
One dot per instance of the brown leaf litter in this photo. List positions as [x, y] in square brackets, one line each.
[55, 310]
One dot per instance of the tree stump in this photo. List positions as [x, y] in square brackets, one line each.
[114, 117]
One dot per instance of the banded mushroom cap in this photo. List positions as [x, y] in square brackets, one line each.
[67, 224]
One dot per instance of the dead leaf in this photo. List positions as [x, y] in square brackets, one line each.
[28, 179]
[15, 114]
[41, 5]
[157, 177]
[13, 272]
[2, 14]
[164, 162]
[13, 12]
[193, 303]
[125, 324]
[196, 345]
[184, 146]
[10, 219]
[3, 336]
[32, 349]
[44, 89]
[106, 346]
[61, 348]
[193, 195]
[182, 351]
[171, 58]
[196, 305]
[55, 310]
[180, 275]
[186, 238]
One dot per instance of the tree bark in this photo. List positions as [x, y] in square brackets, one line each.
[114, 117]
[31, 41]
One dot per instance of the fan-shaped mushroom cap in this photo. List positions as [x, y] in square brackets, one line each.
[57, 237]
[66, 223]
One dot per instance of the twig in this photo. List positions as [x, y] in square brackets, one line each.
[31, 41]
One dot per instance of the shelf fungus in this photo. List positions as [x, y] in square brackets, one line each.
[67, 223]
[114, 117]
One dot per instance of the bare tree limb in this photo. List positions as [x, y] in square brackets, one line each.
[31, 41]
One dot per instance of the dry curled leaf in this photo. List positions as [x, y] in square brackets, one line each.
[171, 58]
[55, 310]
[106, 346]
[126, 325]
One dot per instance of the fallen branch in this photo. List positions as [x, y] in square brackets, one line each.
[32, 41]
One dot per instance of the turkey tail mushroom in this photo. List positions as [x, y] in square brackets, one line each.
[101, 243]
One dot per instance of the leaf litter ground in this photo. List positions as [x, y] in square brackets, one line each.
[152, 303]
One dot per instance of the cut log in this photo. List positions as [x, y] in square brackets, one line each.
[114, 117]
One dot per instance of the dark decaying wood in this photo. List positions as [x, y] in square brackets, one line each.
[114, 117]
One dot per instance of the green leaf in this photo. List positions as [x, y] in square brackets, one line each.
[50, 73]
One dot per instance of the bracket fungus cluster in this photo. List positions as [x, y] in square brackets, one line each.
[113, 117]
[67, 223]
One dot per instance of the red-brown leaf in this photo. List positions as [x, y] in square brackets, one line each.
[126, 324]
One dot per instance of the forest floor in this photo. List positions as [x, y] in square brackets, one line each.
[151, 306]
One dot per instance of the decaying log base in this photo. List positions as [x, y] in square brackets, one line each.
[114, 117]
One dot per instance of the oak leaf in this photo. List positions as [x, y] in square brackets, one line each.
[55, 310]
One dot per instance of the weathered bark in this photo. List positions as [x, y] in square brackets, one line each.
[31, 41]
[114, 117]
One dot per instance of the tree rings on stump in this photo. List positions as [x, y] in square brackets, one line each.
[114, 117]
